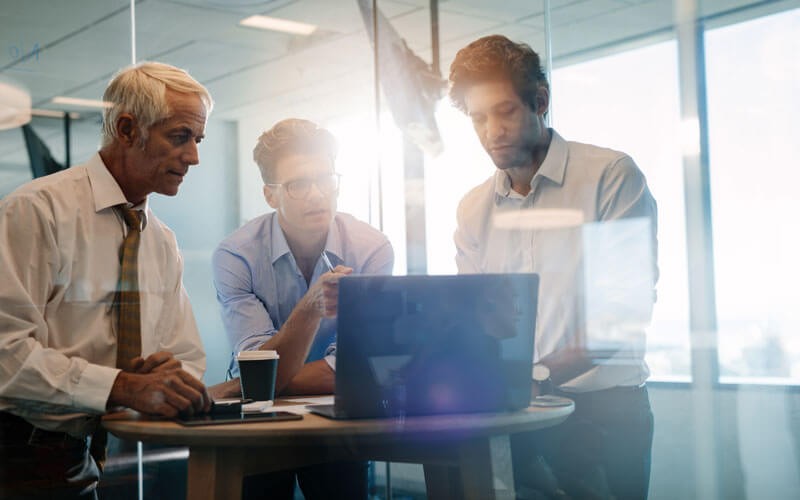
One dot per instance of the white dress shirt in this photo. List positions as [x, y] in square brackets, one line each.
[595, 183]
[60, 239]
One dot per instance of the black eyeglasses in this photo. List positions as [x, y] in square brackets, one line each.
[299, 189]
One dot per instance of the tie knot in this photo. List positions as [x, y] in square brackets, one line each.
[133, 218]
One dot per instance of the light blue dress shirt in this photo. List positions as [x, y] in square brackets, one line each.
[259, 283]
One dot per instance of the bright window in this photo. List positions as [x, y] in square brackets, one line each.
[752, 71]
[629, 102]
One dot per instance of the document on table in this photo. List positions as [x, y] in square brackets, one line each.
[298, 404]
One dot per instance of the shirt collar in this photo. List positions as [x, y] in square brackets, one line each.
[280, 247]
[553, 167]
[105, 190]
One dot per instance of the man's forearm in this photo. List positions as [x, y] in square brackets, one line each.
[293, 342]
[316, 377]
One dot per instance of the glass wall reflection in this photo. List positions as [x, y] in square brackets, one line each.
[614, 81]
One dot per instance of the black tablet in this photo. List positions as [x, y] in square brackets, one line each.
[238, 418]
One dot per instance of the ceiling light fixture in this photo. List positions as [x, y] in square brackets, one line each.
[77, 101]
[276, 24]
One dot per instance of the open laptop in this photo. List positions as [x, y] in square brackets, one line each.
[426, 345]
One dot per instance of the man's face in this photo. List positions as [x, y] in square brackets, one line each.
[169, 151]
[508, 129]
[305, 200]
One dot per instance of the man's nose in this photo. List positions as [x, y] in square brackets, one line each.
[191, 155]
[495, 129]
[315, 191]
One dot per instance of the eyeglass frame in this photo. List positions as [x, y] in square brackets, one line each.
[312, 181]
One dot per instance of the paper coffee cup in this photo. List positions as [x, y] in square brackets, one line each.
[257, 373]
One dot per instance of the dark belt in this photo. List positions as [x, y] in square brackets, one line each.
[17, 430]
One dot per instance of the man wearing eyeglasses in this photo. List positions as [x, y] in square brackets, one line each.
[276, 279]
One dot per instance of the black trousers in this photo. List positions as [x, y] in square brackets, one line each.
[335, 481]
[601, 451]
[38, 464]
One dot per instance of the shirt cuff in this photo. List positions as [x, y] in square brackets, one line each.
[331, 360]
[94, 387]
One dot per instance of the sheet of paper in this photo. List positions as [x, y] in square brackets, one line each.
[297, 409]
[298, 404]
[313, 400]
[257, 407]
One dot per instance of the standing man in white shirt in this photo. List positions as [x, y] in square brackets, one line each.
[63, 240]
[603, 449]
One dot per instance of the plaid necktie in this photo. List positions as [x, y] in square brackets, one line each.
[126, 304]
[129, 336]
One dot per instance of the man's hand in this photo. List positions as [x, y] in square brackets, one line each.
[156, 362]
[323, 296]
[295, 337]
[316, 377]
[162, 392]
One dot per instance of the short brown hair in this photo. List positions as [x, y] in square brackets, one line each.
[291, 136]
[495, 57]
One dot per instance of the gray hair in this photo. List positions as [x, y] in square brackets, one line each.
[141, 91]
[291, 136]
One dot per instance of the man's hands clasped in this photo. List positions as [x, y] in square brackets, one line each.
[158, 385]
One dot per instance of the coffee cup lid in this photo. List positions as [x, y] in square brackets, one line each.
[257, 355]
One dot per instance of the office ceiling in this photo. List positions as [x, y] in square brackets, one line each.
[72, 48]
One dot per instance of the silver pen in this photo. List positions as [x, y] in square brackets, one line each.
[327, 261]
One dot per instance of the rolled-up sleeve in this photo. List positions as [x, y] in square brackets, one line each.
[246, 319]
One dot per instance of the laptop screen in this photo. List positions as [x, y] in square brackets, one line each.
[416, 345]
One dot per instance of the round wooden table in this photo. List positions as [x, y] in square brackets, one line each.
[464, 456]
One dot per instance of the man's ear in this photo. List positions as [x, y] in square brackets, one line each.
[127, 130]
[272, 196]
[542, 100]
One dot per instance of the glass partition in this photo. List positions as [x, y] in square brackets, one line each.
[614, 82]
[628, 101]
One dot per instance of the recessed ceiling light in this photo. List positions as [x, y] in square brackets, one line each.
[276, 24]
[77, 101]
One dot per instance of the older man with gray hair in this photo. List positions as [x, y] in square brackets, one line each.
[93, 312]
